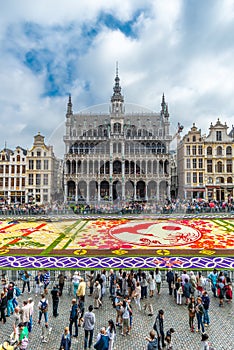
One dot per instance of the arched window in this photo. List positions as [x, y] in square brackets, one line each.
[117, 128]
[229, 151]
[219, 151]
[219, 167]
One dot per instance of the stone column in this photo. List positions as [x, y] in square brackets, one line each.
[76, 195]
[134, 191]
[65, 193]
[157, 194]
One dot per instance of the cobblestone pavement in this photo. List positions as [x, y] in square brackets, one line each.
[221, 330]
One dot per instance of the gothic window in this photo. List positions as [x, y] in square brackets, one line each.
[188, 163]
[148, 147]
[86, 148]
[128, 132]
[114, 147]
[119, 147]
[194, 138]
[209, 151]
[194, 178]
[153, 148]
[229, 180]
[194, 163]
[200, 163]
[139, 133]
[187, 150]
[200, 178]
[105, 132]
[194, 150]
[117, 128]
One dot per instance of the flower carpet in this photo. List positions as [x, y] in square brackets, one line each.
[121, 242]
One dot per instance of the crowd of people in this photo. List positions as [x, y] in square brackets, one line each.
[194, 206]
[130, 292]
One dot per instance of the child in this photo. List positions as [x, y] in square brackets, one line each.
[168, 338]
[204, 342]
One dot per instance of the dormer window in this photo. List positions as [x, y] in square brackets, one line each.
[218, 135]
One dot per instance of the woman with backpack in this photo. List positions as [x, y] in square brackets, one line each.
[43, 309]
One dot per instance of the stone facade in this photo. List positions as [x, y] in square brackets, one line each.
[117, 155]
[41, 172]
[205, 164]
[12, 175]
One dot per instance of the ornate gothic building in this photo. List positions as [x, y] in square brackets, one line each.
[117, 155]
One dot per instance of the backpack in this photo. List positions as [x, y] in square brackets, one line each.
[44, 306]
[17, 291]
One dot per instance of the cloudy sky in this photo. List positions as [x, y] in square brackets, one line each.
[48, 49]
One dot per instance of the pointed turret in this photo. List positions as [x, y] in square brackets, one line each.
[69, 106]
[117, 98]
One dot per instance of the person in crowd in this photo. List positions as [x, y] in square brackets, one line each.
[168, 338]
[88, 325]
[125, 318]
[90, 281]
[74, 314]
[159, 328]
[104, 281]
[3, 306]
[75, 281]
[192, 312]
[55, 292]
[10, 298]
[137, 295]
[117, 303]
[81, 307]
[39, 282]
[23, 336]
[213, 277]
[43, 309]
[65, 340]
[15, 322]
[124, 284]
[158, 280]
[192, 282]
[180, 292]
[26, 281]
[46, 280]
[25, 313]
[220, 287]
[111, 332]
[170, 280]
[184, 276]
[31, 311]
[187, 291]
[206, 306]
[144, 286]
[228, 292]
[151, 281]
[199, 313]
[204, 342]
[152, 341]
[112, 281]
[81, 289]
[97, 295]
[102, 341]
[200, 283]
[61, 279]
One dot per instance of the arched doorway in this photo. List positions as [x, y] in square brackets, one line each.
[82, 191]
[104, 190]
[129, 190]
[117, 167]
[71, 191]
[117, 190]
[93, 191]
[151, 190]
[140, 190]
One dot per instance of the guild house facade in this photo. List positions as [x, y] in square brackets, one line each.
[117, 155]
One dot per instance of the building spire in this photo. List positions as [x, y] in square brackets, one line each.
[69, 106]
[117, 96]
[163, 105]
